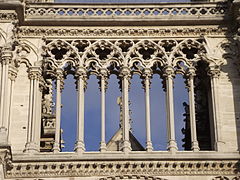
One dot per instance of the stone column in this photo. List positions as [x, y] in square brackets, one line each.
[169, 74]
[146, 85]
[214, 73]
[190, 80]
[59, 87]
[103, 86]
[125, 77]
[81, 76]
[32, 141]
[12, 74]
[6, 59]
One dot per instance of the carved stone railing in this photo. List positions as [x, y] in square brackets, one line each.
[133, 10]
[130, 12]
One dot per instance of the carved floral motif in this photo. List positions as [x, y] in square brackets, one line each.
[121, 32]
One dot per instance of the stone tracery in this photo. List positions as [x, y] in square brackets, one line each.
[104, 57]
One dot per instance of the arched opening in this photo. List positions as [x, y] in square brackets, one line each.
[180, 98]
[69, 114]
[92, 124]
[203, 102]
[137, 114]
[158, 114]
[112, 113]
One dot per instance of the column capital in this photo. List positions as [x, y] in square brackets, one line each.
[103, 72]
[59, 74]
[103, 76]
[125, 72]
[214, 71]
[146, 76]
[168, 71]
[147, 72]
[190, 73]
[81, 72]
[6, 56]
[34, 73]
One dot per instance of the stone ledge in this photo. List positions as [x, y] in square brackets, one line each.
[155, 155]
[106, 168]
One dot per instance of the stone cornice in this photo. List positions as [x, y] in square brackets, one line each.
[122, 31]
[116, 155]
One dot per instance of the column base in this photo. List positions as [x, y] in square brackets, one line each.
[149, 146]
[195, 146]
[56, 147]
[172, 146]
[3, 136]
[126, 146]
[103, 147]
[79, 147]
[31, 148]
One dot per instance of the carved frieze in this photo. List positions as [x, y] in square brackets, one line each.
[6, 15]
[121, 32]
[119, 168]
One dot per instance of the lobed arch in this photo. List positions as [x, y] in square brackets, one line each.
[178, 54]
[25, 52]
[183, 61]
[158, 54]
[113, 54]
[25, 61]
[63, 53]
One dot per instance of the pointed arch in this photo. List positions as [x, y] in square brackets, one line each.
[188, 51]
[146, 52]
[61, 52]
[103, 53]
[26, 53]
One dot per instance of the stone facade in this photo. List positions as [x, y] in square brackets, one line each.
[42, 42]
